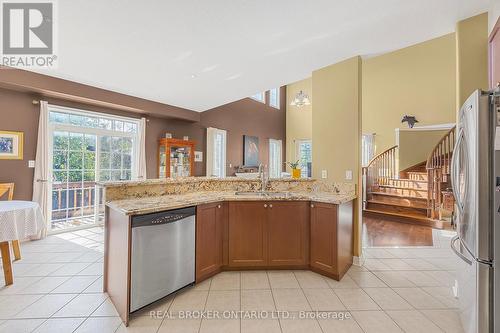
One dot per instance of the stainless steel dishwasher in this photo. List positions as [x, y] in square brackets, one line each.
[163, 255]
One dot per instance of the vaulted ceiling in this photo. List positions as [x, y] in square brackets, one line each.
[202, 54]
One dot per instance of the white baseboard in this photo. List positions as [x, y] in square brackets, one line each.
[357, 261]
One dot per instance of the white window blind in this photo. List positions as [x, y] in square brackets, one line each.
[367, 148]
[304, 155]
[216, 152]
[275, 158]
[261, 97]
[274, 98]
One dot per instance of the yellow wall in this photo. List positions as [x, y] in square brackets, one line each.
[336, 119]
[336, 127]
[298, 120]
[472, 56]
[416, 145]
[418, 80]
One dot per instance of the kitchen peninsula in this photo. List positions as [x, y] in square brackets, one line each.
[237, 225]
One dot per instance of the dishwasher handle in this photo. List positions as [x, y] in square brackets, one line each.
[165, 217]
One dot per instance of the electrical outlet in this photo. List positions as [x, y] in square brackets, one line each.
[324, 174]
[348, 174]
[31, 164]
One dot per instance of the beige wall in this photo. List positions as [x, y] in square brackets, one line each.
[418, 80]
[336, 119]
[298, 120]
[472, 56]
[336, 127]
[416, 145]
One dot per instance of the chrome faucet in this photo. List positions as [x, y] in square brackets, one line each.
[263, 176]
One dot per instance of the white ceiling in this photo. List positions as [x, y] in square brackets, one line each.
[202, 54]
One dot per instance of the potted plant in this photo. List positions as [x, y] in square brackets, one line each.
[295, 169]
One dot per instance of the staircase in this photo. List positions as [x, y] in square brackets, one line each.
[412, 195]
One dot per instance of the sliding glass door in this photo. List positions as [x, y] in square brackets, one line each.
[82, 155]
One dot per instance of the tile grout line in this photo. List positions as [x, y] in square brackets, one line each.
[274, 300]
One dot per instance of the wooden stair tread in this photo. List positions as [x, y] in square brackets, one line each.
[399, 204]
[408, 215]
[404, 187]
[416, 219]
[398, 195]
[408, 180]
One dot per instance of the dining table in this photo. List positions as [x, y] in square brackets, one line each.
[19, 220]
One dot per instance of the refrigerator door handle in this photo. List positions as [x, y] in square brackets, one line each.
[454, 171]
[457, 252]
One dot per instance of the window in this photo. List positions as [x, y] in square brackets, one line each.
[260, 97]
[367, 148]
[275, 159]
[274, 98]
[86, 147]
[304, 155]
[216, 152]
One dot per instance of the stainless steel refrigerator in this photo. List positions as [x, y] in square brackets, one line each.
[476, 184]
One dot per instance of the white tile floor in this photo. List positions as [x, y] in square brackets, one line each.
[58, 288]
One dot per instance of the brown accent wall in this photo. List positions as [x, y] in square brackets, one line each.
[248, 117]
[242, 117]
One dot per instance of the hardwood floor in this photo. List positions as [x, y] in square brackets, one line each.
[381, 232]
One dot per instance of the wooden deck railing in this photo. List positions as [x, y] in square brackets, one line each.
[438, 167]
[379, 170]
[75, 197]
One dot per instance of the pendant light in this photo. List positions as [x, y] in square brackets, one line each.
[301, 99]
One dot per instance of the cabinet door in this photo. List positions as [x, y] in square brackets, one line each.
[247, 234]
[323, 237]
[288, 233]
[209, 238]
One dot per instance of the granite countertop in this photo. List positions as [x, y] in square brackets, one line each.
[186, 180]
[146, 205]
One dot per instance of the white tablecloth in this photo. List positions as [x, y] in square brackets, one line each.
[20, 220]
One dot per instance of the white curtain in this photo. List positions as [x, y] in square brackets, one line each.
[40, 179]
[141, 154]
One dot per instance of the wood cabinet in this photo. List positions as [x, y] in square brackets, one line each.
[243, 234]
[288, 233]
[175, 158]
[268, 234]
[331, 238]
[247, 234]
[210, 220]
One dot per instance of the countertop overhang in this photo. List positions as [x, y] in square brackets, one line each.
[139, 206]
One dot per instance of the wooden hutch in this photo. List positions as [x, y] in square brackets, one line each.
[175, 158]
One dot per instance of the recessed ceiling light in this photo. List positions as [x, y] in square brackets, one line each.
[193, 76]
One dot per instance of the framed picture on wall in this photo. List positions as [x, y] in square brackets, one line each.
[250, 151]
[11, 145]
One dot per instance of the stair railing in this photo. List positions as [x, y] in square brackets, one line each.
[378, 171]
[438, 168]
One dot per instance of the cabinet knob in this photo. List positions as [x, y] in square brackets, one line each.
[218, 206]
[312, 205]
[270, 205]
[265, 205]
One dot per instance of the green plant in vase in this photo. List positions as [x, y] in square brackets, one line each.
[295, 169]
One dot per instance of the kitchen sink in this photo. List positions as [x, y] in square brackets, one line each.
[264, 194]
[250, 193]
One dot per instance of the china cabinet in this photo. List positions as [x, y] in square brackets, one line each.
[175, 158]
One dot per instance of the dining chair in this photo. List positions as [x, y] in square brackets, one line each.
[8, 190]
